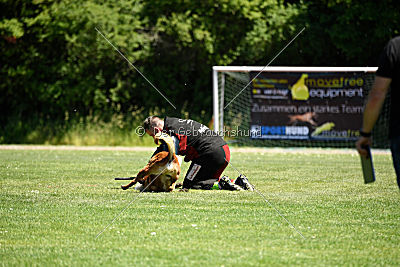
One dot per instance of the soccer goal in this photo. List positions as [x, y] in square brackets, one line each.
[294, 106]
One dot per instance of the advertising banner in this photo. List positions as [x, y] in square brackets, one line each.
[307, 105]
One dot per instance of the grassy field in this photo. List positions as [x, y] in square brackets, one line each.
[54, 203]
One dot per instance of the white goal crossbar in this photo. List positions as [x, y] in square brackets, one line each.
[218, 118]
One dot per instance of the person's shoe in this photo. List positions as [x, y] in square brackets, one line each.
[225, 183]
[244, 183]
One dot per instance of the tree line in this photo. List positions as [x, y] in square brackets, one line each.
[56, 67]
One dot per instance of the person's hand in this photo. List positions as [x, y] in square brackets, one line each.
[361, 143]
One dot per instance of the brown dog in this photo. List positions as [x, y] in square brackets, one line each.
[162, 171]
[306, 117]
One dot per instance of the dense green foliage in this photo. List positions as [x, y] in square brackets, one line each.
[56, 68]
[54, 203]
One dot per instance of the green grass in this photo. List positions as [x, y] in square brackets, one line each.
[54, 203]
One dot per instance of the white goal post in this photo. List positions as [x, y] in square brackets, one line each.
[218, 76]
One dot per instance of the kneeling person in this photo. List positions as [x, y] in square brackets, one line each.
[207, 151]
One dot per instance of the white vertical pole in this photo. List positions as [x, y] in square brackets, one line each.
[215, 101]
[221, 102]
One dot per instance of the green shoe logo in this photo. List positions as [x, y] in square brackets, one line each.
[299, 89]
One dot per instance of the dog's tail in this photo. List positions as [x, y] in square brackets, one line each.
[170, 143]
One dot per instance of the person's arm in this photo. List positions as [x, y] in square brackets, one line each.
[373, 107]
[161, 147]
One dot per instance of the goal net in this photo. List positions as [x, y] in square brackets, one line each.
[294, 106]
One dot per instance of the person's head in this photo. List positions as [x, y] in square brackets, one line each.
[153, 125]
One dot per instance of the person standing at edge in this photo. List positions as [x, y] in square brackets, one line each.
[388, 74]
